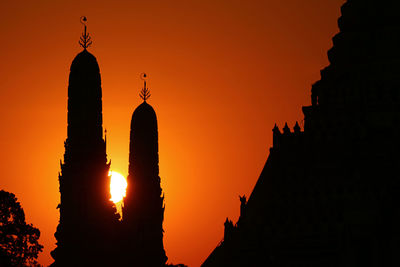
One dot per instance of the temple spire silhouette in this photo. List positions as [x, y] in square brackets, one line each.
[90, 232]
[143, 211]
[87, 216]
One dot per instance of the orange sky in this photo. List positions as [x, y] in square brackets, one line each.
[221, 73]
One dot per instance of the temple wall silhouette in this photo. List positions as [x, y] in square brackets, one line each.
[327, 196]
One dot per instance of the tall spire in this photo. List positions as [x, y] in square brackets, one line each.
[88, 218]
[85, 40]
[145, 93]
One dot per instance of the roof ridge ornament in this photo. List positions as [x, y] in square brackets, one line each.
[145, 92]
[85, 40]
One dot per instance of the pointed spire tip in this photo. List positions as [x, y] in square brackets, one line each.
[145, 92]
[85, 40]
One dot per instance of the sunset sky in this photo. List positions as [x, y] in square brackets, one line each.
[221, 74]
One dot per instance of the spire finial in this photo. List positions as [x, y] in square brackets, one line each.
[85, 40]
[145, 93]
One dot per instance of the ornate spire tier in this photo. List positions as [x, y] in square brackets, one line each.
[143, 209]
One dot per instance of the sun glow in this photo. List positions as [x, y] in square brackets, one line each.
[118, 186]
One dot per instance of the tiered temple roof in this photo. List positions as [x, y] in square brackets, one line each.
[326, 195]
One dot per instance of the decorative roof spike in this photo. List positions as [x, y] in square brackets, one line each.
[276, 130]
[286, 129]
[297, 128]
[85, 40]
[145, 93]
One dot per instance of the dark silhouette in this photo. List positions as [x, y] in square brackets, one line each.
[243, 202]
[328, 195]
[19, 245]
[86, 233]
[143, 205]
[90, 232]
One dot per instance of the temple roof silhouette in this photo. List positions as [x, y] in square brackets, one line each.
[144, 113]
[327, 195]
[84, 97]
[85, 62]
[144, 131]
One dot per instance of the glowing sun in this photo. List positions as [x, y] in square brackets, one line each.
[118, 186]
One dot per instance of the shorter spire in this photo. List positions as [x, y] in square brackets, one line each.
[145, 93]
[85, 40]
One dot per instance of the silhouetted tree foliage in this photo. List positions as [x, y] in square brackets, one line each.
[19, 244]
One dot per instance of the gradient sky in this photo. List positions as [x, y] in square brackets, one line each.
[221, 73]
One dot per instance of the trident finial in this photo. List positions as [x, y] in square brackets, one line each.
[85, 40]
[145, 93]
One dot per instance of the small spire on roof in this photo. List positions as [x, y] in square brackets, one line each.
[286, 129]
[85, 40]
[276, 129]
[145, 93]
[297, 128]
